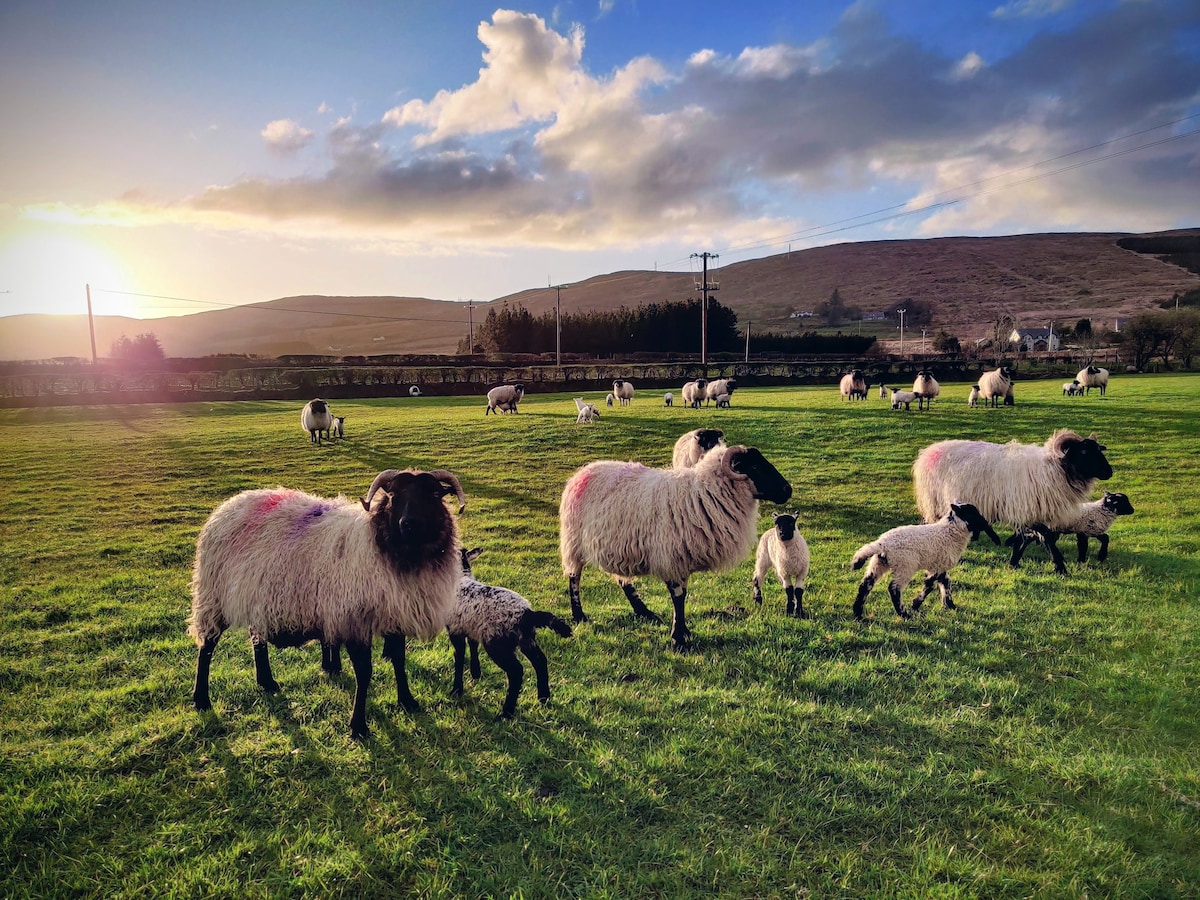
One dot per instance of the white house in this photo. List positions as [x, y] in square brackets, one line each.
[1034, 338]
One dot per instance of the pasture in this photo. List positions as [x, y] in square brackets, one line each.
[1040, 740]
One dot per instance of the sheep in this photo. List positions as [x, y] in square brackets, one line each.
[902, 397]
[1072, 388]
[691, 446]
[623, 391]
[693, 392]
[504, 622]
[996, 385]
[883, 391]
[783, 549]
[973, 397]
[853, 386]
[668, 399]
[586, 411]
[936, 548]
[1093, 377]
[414, 391]
[315, 419]
[338, 427]
[926, 387]
[263, 553]
[715, 388]
[608, 399]
[1023, 485]
[504, 398]
[722, 401]
[630, 520]
[1092, 519]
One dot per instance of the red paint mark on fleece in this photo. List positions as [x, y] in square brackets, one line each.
[268, 503]
[577, 485]
[930, 457]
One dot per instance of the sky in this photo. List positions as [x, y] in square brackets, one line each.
[180, 157]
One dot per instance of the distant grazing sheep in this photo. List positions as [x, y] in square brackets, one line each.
[293, 567]
[926, 387]
[630, 520]
[504, 398]
[315, 419]
[609, 399]
[715, 388]
[783, 549]
[668, 399]
[936, 548]
[1024, 485]
[1092, 520]
[692, 445]
[722, 401]
[1093, 377]
[693, 392]
[973, 397]
[902, 398]
[996, 386]
[504, 622]
[623, 391]
[853, 386]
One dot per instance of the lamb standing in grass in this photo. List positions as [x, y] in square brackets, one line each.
[973, 397]
[629, 520]
[1072, 389]
[783, 549]
[692, 446]
[1092, 520]
[668, 399]
[586, 412]
[504, 622]
[904, 551]
[902, 398]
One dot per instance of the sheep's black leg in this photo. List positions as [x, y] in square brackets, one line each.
[925, 589]
[538, 659]
[799, 596]
[681, 636]
[360, 661]
[393, 649]
[639, 608]
[504, 654]
[1081, 544]
[1050, 539]
[864, 588]
[576, 604]
[474, 645]
[200, 698]
[944, 581]
[459, 643]
[262, 665]
[757, 592]
[1102, 553]
[894, 593]
[331, 658]
[1020, 542]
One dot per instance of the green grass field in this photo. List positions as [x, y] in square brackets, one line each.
[1041, 740]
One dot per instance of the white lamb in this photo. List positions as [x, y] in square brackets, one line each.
[783, 549]
[630, 520]
[586, 411]
[973, 397]
[906, 550]
[668, 399]
[902, 398]
[1071, 389]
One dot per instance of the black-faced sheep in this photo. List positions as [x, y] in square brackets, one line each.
[388, 567]
[1092, 521]
[973, 396]
[1071, 389]
[926, 387]
[693, 392]
[630, 520]
[853, 386]
[692, 446]
[1023, 485]
[996, 386]
[904, 551]
[337, 428]
[504, 622]
[902, 398]
[1093, 377]
[715, 388]
[315, 419]
[504, 398]
[782, 549]
[623, 391]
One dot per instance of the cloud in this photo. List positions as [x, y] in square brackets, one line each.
[969, 66]
[1031, 9]
[285, 137]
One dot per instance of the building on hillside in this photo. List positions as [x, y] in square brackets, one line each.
[1034, 338]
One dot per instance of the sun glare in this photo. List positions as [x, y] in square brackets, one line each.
[46, 270]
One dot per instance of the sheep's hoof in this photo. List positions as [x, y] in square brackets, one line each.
[202, 705]
[505, 716]
[647, 616]
[269, 687]
[578, 617]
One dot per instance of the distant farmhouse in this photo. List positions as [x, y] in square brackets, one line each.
[1034, 338]
[874, 316]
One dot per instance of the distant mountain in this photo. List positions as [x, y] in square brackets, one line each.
[1036, 278]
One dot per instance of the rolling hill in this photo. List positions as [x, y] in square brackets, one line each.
[1036, 278]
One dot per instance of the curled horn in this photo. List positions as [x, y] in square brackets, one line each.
[443, 475]
[383, 476]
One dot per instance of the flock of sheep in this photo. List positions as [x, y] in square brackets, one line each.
[293, 567]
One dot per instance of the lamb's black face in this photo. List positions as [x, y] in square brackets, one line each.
[974, 520]
[768, 483]
[708, 438]
[785, 525]
[1117, 503]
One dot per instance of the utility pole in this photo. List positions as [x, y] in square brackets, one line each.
[91, 323]
[922, 341]
[705, 287]
[470, 327]
[558, 324]
[747, 340]
[902, 312]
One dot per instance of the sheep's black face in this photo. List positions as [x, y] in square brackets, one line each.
[785, 526]
[412, 524]
[974, 521]
[318, 406]
[1117, 503]
[768, 483]
[1084, 460]
[708, 438]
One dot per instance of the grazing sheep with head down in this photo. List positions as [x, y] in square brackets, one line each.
[783, 549]
[926, 387]
[386, 565]
[630, 520]
[693, 392]
[623, 391]
[936, 548]
[718, 386]
[1093, 519]
[504, 622]
[668, 399]
[692, 445]
[504, 398]
[1093, 377]
[853, 386]
[1023, 485]
[315, 419]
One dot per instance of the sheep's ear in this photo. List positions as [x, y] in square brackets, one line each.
[774, 516]
[473, 555]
